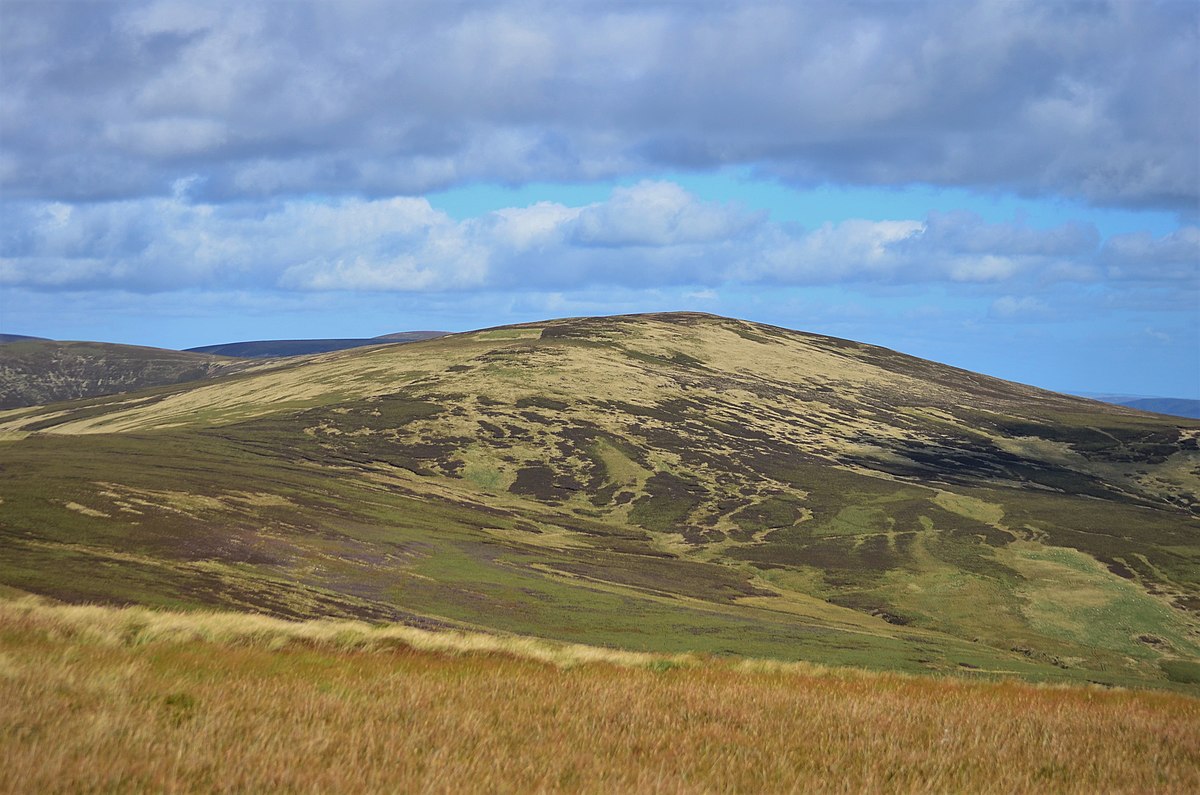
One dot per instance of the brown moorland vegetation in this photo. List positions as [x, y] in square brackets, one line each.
[132, 700]
[666, 483]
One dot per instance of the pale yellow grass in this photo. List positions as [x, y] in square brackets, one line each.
[94, 699]
[108, 626]
[83, 509]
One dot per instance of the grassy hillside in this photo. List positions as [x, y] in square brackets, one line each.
[96, 699]
[665, 483]
[35, 371]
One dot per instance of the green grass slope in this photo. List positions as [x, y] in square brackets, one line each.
[34, 372]
[674, 482]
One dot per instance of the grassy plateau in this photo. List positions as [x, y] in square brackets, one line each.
[662, 485]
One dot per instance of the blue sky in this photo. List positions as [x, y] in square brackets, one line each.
[1009, 187]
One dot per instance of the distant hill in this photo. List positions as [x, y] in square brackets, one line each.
[1177, 407]
[266, 349]
[667, 482]
[412, 336]
[33, 371]
[6, 338]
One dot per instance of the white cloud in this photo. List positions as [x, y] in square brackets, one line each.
[535, 227]
[1008, 306]
[983, 268]
[654, 234]
[404, 273]
[659, 214]
[1141, 256]
[832, 252]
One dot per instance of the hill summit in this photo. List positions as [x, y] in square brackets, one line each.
[666, 482]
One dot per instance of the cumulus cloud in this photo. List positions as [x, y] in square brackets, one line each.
[651, 234]
[1142, 257]
[1095, 101]
[163, 244]
[954, 247]
[850, 250]
[659, 214]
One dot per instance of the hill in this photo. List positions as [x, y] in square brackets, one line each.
[7, 338]
[668, 483]
[261, 349]
[1176, 407]
[412, 336]
[1179, 407]
[35, 371]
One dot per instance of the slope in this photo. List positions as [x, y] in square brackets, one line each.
[664, 482]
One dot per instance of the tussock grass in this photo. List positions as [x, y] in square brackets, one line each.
[134, 626]
[131, 700]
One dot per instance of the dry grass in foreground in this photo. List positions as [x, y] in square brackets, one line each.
[96, 699]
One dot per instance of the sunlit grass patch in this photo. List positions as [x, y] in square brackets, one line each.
[508, 334]
[134, 626]
[1070, 595]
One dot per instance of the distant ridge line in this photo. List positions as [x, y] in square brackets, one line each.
[6, 338]
[266, 349]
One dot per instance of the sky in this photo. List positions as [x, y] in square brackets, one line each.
[1009, 187]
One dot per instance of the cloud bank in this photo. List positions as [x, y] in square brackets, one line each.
[1095, 101]
[650, 234]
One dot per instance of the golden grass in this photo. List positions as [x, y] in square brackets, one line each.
[86, 511]
[99, 699]
[97, 625]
